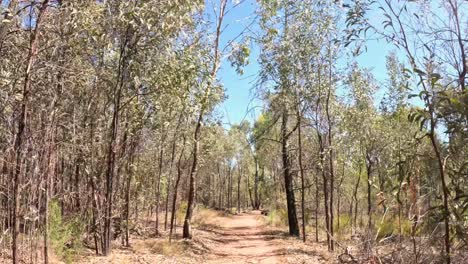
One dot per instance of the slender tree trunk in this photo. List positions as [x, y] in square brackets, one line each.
[238, 192]
[127, 206]
[301, 171]
[338, 202]
[369, 202]
[256, 204]
[110, 176]
[94, 201]
[46, 208]
[176, 187]
[191, 195]
[230, 187]
[316, 206]
[111, 155]
[445, 190]
[128, 185]
[158, 183]
[18, 144]
[355, 197]
[249, 190]
[288, 180]
[50, 167]
[220, 196]
[171, 166]
[325, 189]
[187, 233]
[326, 208]
[330, 146]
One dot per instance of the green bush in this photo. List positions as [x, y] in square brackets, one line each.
[385, 228]
[181, 212]
[406, 225]
[345, 223]
[277, 217]
[391, 226]
[64, 236]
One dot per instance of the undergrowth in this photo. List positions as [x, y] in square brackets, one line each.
[64, 235]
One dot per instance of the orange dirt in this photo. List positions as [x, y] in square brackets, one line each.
[243, 239]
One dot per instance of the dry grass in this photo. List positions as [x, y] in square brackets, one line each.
[162, 247]
[207, 219]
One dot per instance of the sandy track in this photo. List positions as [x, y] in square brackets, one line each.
[243, 239]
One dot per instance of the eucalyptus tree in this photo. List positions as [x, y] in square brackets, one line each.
[438, 70]
[276, 70]
[137, 26]
[317, 38]
[109, 56]
[209, 89]
[363, 87]
[264, 148]
[21, 120]
[208, 84]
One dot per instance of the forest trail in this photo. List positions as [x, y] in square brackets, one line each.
[244, 239]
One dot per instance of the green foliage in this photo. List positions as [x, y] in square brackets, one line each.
[391, 226]
[64, 235]
[277, 217]
[239, 57]
[345, 223]
[385, 229]
[181, 210]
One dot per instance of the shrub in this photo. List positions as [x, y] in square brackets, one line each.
[165, 248]
[64, 236]
[391, 226]
[181, 212]
[277, 217]
[385, 229]
[345, 223]
[205, 218]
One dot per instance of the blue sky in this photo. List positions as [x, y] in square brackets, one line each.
[241, 102]
[240, 89]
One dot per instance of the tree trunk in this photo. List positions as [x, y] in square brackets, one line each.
[316, 206]
[445, 191]
[176, 188]
[330, 146]
[355, 197]
[18, 144]
[325, 188]
[111, 154]
[301, 171]
[250, 191]
[130, 166]
[238, 192]
[256, 204]
[214, 70]
[229, 187]
[369, 202]
[170, 168]
[158, 183]
[288, 180]
[187, 233]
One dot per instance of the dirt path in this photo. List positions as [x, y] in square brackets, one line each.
[243, 239]
[218, 239]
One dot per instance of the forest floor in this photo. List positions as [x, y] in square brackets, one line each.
[220, 238]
